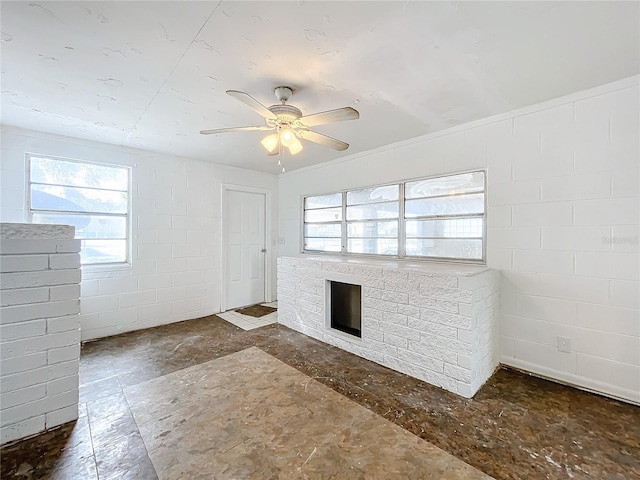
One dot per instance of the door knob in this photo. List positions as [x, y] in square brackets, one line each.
[263, 250]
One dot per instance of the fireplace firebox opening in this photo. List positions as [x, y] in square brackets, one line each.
[346, 308]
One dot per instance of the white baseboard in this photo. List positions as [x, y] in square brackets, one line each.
[582, 383]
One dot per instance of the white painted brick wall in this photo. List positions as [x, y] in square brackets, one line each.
[562, 225]
[397, 331]
[39, 335]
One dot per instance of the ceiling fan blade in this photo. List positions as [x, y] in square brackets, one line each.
[235, 129]
[330, 116]
[252, 103]
[322, 139]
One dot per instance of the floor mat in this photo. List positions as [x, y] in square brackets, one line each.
[256, 310]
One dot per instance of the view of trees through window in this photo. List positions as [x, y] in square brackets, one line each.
[439, 218]
[91, 197]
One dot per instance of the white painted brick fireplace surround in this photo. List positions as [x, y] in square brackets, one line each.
[434, 322]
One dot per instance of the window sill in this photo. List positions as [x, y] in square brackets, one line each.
[395, 258]
[431, 266]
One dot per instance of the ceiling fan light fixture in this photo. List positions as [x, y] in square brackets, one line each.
[295, 146]
[287, 137]
[270, 142]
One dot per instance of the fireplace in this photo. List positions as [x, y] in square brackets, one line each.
[346, 307]
[435, 322]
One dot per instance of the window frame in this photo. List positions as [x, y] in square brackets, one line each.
[402, 220]
[126, 263]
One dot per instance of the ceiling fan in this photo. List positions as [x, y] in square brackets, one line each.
[288, 123]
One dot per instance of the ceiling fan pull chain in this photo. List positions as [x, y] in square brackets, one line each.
[281, 154]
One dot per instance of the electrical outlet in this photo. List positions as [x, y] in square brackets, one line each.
[564, 344]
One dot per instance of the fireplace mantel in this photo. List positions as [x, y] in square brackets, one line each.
[434, 321]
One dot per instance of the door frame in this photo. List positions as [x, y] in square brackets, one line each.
[226, 187]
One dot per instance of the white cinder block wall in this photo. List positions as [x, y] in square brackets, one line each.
[175, 272]
[563, 215]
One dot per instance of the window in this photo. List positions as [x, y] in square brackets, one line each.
[94, 198]
[323, 223]
[372, 220]
[442, 218]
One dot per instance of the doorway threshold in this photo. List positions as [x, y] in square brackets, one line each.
[247, 322]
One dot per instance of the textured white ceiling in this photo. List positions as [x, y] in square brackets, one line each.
[151, 75]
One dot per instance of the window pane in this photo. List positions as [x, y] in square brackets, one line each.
[370, 195]
[87, 226]
[91, 197]
[323, 201]
[73, 199]
[380, 246]
[451, 185]
[323, 215]
[453, 228]
[444, 206]
[323, 244]
[103, 251]
[373, 211]
[322, 230]
[372, 229]
[445, 248]
[48, 170]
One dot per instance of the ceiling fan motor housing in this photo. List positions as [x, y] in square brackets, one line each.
[286, 113]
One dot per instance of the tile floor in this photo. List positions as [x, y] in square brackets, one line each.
[516, 427]
[247, 322]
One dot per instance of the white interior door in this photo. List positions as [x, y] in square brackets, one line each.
[245, 258]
